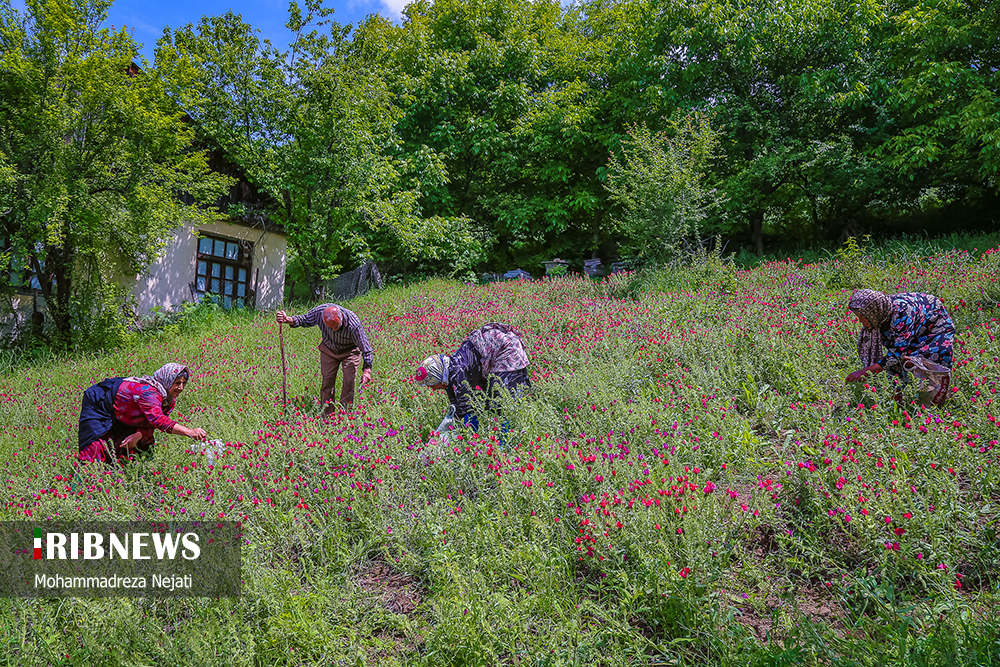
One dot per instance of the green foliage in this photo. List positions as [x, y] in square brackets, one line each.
[113, 324]
[659, 181]
[312, 127]
[707, 267]
[92, 156]
[946, 58]
[497, 120]
[520, 105]
[777, 75]
[626, 284]
[853, 268]
[557, 271]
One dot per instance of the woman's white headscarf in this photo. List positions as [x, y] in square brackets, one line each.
[434, 370]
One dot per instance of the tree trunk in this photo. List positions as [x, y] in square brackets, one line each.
[315, 284]
[817, 224]
[58, 263]
[756, 232]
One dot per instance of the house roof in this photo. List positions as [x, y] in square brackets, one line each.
[257, 220]
[245, 203]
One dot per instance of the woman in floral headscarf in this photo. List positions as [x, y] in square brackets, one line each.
[915, 329]
[118, 415]
[491, 358]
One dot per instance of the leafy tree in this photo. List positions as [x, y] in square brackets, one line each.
[775, 74]
[312, 128]
[659, 180]
[93, 157]
[941, 88]
[510, 98]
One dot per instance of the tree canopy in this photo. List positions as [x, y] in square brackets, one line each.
[93, 157]
[499, 133]
[314, 127]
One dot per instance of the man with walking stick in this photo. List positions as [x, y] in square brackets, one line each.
[343, 342]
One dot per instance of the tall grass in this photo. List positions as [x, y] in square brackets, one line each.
[899, 248]
[689, 482]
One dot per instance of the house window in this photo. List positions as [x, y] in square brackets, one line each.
[223, 270]
[20, 276]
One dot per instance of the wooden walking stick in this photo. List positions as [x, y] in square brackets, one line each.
[284, 371]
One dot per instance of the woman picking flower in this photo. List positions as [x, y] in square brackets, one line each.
[490, 359]
[915, 329]
[118, 415]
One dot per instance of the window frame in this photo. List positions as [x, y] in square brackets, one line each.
[241, 260]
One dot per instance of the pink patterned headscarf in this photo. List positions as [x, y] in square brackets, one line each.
[501, 348]
[876, 308]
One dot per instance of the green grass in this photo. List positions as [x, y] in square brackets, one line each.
[897, 249]
[365, 546]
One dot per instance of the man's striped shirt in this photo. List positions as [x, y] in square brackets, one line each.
[350, 335]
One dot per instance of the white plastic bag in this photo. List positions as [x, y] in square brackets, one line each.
[446, 426]
[930, 374]
[436, 445]
[210, 448]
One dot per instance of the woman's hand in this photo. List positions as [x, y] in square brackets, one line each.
[196, 433]
[130, 442]
[857, 376]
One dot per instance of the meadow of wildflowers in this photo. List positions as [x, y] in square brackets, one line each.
[689, 482]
